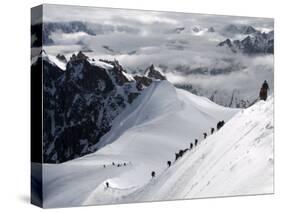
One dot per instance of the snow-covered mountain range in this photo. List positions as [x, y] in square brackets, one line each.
[255, 43]
[224, 62]
[235, 160]
[83, 96]
[234, 29]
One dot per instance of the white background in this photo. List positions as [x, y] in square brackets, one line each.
[15, 102]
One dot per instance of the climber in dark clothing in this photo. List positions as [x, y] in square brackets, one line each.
[220, 124]
[263, 91]
[265, 85]
[181, 152]
[205, 135]
[169, 163]
[153, 174]
[107, 184]
[212, 130]
[177, 156]
[196, 142]
[191, 146]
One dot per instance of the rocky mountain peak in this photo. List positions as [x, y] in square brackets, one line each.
[240, 29]
[42, 53]
[151, 72]
[249, 30]
[61, 57]
[196, 29]
[258, 43]
[79, 56]
[117, 72]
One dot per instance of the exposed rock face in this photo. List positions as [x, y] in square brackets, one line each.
[79, 56]
[142, 82]
[61, 57]
[117, 72]
[151, 72]
[227, 42]
[81, 102]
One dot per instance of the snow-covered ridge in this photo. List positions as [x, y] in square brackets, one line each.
[162, 102]
[145, 136]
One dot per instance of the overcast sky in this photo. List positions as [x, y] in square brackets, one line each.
[145, 19]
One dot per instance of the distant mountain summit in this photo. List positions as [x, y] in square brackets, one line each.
[196, 29]
[257, 43]
[239, 29]
[178, 30]
[226, 42]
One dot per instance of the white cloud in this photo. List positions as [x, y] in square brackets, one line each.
[139, 38]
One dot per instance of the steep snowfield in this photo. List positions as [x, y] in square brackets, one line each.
[237, 160]
[147, 134]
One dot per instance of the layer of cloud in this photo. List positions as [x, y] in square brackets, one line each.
[180, 43]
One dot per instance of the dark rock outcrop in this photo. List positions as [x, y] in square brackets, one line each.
[142, 82]
[61, 57]
[151, 72]
[81, 102]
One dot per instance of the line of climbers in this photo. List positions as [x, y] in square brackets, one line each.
[191, 145]
[178, 154]
[118, 164]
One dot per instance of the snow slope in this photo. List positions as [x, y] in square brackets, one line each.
[237, 160]
[145, 136]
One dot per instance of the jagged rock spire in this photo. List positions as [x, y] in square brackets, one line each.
[79, 56]
[61, 57]
[151, 72]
